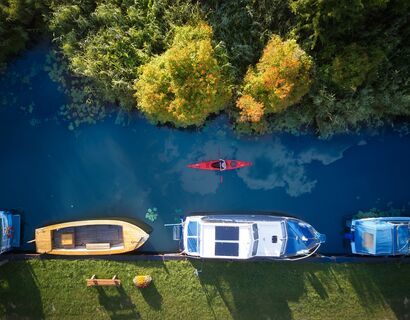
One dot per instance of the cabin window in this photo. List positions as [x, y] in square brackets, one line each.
[226, 241]
[227, 233]
[192, 244]
[193, 229]
[255, 231]
[255, 247]
[230, 249]
[192, 237]
[368, 241]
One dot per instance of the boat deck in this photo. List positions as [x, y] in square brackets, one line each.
[79, 237]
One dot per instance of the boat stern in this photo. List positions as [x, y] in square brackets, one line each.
[9, 231]
[43, 239]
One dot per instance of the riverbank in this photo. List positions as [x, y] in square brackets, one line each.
[257, 290]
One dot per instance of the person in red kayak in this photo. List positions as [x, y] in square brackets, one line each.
[221, 165]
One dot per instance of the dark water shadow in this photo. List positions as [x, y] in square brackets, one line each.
[152, 296]
[117, 303]
[19, 293]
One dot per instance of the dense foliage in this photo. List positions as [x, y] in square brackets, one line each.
[107, 41]
[186, 84]
[18, 20]
[280, 79]
[360, 50]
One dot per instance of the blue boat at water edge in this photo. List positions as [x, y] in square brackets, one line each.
[10, 231]
[384, 236]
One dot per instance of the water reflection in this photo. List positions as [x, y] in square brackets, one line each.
[277, 166]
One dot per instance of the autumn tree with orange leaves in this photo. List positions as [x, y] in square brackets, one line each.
[186, 84]
[280, 79]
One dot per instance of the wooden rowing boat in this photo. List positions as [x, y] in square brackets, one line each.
[89, 237]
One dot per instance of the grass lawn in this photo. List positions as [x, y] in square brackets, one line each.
[246, 290]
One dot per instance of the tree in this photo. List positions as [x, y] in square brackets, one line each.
[280, 79]
[106, 41]
[187, 83]
[354, 65]
[323, 22]
[17, 22]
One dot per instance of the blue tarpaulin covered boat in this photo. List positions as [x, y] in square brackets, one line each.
[10, 231]
[389, 236]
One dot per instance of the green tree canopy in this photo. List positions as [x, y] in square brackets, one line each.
[324, 22]
[17, 21]
[187, 83]
[108, 40]
[354, 65]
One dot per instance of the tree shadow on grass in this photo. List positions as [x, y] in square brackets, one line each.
[387, 285]
[19, 293]
[152, 296]
[252, 290]
[317, 284]
[117, 303]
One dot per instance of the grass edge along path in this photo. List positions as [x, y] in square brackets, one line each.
[56, 289]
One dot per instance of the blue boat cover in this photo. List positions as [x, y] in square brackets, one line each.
[301, 238]
[381, 236]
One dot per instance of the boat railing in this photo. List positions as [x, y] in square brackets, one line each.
[176, 230]
[305, 256]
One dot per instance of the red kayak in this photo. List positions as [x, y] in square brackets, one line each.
[220, 165]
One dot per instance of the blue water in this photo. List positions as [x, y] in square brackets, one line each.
[53, 174]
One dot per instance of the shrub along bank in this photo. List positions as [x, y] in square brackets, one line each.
[333, 66]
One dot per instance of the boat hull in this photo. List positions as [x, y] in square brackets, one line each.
[230, 165]
[89, 237]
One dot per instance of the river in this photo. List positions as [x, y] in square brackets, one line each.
[109, 169]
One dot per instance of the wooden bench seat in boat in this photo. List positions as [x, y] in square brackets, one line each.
[67, 240]
[93, 281]
[97, 246]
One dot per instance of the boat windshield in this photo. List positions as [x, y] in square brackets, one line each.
[301, 237]
[255, 248]
[192, 237]
[403, 239]
[255, 231]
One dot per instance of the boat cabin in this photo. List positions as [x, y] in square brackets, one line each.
[245, 237]
[387, 236]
